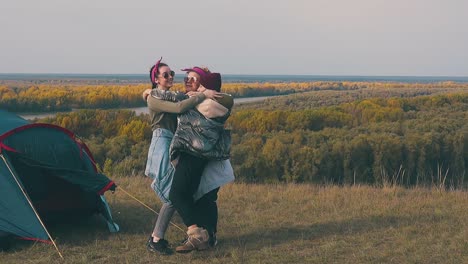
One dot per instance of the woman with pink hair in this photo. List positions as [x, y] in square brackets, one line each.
[158, 167]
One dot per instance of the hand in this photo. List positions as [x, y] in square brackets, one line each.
[212, 94]
[146, 93]
[192, 93]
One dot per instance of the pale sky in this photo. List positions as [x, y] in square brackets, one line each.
[313, 37]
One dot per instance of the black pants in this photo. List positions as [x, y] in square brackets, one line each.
[185, 183]
[207, 211]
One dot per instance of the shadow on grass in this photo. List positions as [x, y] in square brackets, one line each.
[266, 237]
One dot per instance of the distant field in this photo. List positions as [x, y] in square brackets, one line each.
[278, 224]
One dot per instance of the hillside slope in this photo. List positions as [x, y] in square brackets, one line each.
[277, 224]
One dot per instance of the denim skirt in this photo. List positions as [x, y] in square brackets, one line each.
[158, 164]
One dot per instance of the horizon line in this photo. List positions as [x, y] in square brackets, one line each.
[257, 74]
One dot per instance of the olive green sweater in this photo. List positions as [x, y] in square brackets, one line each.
[164, 113]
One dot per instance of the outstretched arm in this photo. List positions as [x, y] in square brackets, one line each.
[159, 105]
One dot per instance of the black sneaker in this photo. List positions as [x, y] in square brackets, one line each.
[162, 246]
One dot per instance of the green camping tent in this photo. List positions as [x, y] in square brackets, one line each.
[46, 174]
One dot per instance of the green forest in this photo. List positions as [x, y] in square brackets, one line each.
[382, 134]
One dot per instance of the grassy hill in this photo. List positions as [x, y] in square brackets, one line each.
[277, 224]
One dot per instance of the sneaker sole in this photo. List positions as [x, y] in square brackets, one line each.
[158, 252]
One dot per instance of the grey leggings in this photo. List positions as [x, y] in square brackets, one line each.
[162, 223]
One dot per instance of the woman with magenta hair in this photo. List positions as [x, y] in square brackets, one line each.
[201, 145]
[163, 116]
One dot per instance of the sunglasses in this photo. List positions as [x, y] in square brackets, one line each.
[165, 75]
[188, 79]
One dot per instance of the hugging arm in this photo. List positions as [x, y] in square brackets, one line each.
[159, 105]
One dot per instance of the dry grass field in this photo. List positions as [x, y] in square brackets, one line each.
[277, 224]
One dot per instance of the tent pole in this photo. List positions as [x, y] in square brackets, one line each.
[30, 204]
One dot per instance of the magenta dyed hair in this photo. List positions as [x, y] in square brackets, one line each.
[155, 70]
[210, 80]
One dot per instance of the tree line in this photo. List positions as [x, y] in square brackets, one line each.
[420, 140]
[49, 97]
[409, 141]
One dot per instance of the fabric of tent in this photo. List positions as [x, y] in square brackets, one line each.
[46, 173]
